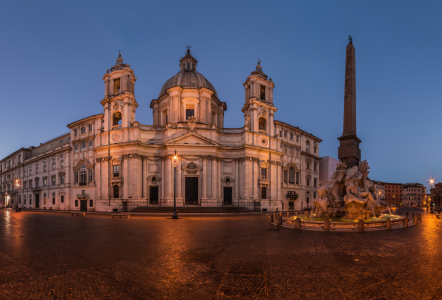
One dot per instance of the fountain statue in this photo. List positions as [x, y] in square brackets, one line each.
[350, 195]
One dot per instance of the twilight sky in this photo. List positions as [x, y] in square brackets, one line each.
[54, 54]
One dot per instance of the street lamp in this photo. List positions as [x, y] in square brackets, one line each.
[175, 163]
[17, 184]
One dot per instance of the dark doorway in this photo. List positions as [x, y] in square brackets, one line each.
[191, 190]
[37, 200]
[83, 205]
[291, 205]
[227, 196]
[153, 195]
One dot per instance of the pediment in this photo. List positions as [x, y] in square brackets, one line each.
[192, 138]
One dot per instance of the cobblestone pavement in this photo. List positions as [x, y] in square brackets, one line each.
[49, 255]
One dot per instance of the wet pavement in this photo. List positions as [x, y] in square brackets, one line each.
[49, 255]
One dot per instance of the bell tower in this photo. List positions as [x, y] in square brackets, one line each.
[119, 102]
[258, 108]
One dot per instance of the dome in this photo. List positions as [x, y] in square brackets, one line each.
[188, 77]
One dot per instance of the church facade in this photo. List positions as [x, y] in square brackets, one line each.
[110, 161]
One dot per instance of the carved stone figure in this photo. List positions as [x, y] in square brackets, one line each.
[350, 194]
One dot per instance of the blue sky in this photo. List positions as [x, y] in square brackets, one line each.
[54, 54]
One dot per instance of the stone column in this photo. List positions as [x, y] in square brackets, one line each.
[168, 174]
[163, 179]
[208, 178]
[97, 178]
[236, 194]
[126, 178]
[204, 181]
[179, 180]
[214, 163]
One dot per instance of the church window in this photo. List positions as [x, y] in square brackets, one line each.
[292, 151]
[90, 144]
[291, 175]
[308, 181]
[188, 66]
[83, 146]
[307, 146]
[291, 135]
[285, 149]
[285, 176]
[90, 176]
[116, 119]
[53, 166]
[83, 130]
[116, 191]
[308, 165]
[280, 133]
[263, 173]
[62, 164]
[314, 182]
[53, 180]
[45, 181]
[90, 127]
[116, 171]
[116, 86]
[76, 148]
[83, 178]
[61, 179]
[314, 149]
[263, 92]
[285, 133]
[190, 112]
[297, 138]
[75, 132]
[262, 124]
[36, 170]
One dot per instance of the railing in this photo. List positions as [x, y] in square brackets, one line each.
[231, 130]
[116, 179]
[83, 196]
[36, 188]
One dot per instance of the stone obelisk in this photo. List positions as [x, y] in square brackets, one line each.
[349, 151]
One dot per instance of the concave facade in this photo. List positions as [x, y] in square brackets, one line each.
[110, 161]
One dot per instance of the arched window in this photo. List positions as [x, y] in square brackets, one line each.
[116, 119]
[83, 175]
[116, 191]
[117, 86]
[292, 175]
[262, 124]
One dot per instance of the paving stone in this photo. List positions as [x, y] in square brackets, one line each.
[50, 255]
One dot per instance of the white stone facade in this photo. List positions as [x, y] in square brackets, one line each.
[109, 161]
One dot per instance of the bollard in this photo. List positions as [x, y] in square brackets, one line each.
[279, 221]
[298, 223]
[361, 225]
[415, 220]
[326, 225]
[388, 224]
[406, 222]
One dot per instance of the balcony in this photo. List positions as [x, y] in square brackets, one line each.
[263, 181]
[83, 196]
[116, 179]
[36, 188]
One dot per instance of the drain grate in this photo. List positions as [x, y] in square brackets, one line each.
[244, 279]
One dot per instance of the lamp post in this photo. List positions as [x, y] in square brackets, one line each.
[17, 183]
[175, 162]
